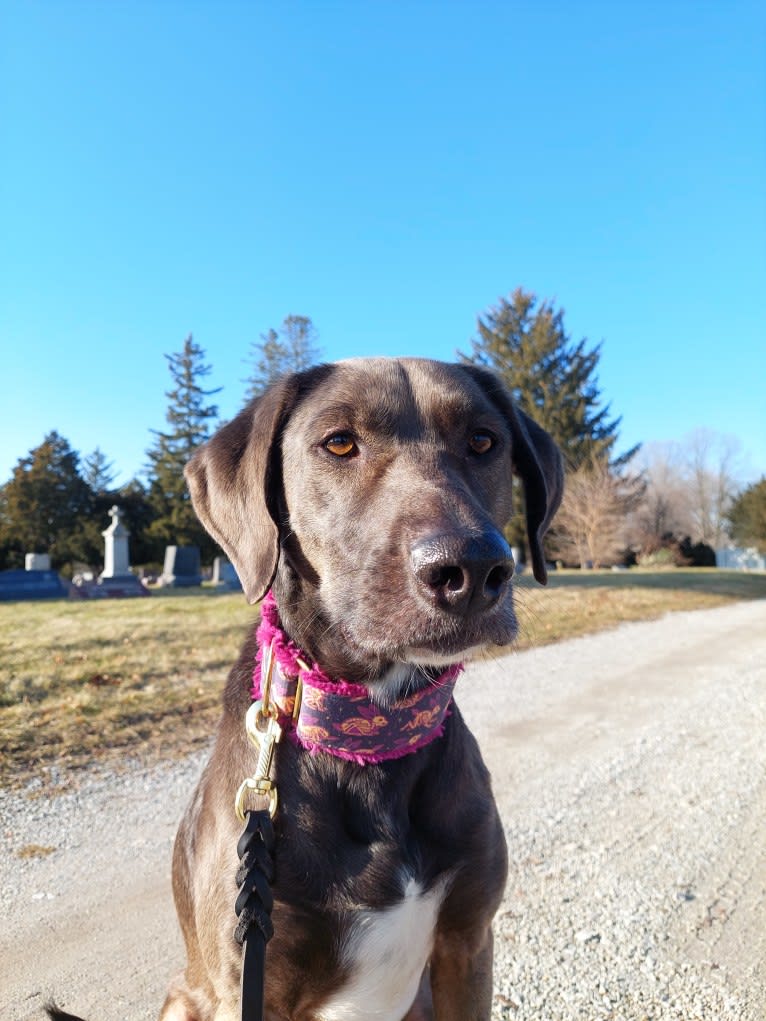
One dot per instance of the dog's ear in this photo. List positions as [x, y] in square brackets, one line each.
[234, 480]
[537, 462]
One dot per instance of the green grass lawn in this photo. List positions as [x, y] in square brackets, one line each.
[84, 681]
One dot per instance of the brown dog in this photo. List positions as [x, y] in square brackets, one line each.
[370, 496]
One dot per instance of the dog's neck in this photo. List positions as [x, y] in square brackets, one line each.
[342, 718]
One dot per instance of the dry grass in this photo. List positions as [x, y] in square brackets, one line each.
[138, 677]
[29, 851]
[142, 678]
[577, 603]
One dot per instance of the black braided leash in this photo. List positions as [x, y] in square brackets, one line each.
[253, 907]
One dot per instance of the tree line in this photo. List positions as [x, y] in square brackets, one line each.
[57, 502]
[658, 505]
[671, 504]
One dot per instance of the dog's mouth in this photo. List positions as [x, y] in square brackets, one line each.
[428, 657]
[424, 657]
[438, 641]
[419, 668]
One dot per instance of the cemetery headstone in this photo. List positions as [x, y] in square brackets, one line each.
[18, 584]
[37, 562]
[182, 567]
[116, 580]
[116, 556]
[225, 575]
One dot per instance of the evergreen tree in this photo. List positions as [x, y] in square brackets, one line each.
[133, 499]
[45, 507]
[98, 473]
[551, 377]
[189, 417]
[748, 516]
[137, 512]
[292, 349]
[269, 358]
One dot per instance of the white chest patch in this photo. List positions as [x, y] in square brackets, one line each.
[386, 952]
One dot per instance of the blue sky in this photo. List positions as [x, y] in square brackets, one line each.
[389, 169]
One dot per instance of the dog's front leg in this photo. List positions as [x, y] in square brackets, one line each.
[461, 977]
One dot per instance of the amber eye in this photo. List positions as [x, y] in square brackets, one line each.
[341, 445]
[481, 442]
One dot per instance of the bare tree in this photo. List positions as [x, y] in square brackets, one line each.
[690, 486]
[592, 523]
[664, 510]
[712, 466]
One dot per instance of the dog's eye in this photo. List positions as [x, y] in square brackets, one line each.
[481, 442]
[341, 445]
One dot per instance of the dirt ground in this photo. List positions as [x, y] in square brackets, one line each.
[630, 770]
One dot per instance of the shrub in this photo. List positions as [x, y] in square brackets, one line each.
[697, 555]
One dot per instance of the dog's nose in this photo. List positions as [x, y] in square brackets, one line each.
[463, 575]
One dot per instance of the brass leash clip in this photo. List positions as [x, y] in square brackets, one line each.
[264, 732]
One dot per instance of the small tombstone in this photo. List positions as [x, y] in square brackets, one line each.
[182, 567]
[225, 576]
[37, 562]
[18, 584]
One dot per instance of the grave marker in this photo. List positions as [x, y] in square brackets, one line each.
[18, 584]
[182, 567]
[225, 576]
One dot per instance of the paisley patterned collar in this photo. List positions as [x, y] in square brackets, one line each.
[340, 718]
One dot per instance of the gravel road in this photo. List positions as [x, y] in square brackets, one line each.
[630, 769]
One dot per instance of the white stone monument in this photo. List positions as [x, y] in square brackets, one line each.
[116, 558]
[117, 579]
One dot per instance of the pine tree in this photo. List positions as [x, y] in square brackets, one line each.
[551, 377]
[99, 475]
[46, 505]
[292, 349]
[98, 472]
[748, 516]
[189, 417]
[133, 499]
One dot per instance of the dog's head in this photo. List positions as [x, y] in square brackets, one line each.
[376, 491]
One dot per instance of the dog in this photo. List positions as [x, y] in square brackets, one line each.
[368, 498]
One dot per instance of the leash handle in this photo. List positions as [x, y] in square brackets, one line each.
[253, 980]
[253, 908]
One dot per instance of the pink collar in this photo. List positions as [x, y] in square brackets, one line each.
[338, 717]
